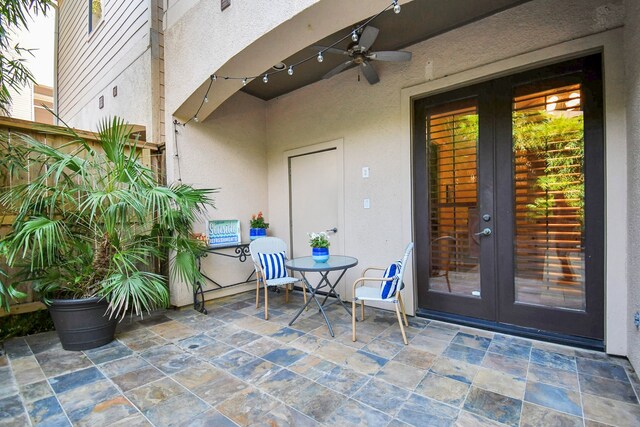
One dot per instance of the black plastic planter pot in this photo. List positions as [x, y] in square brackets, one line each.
[81, 323]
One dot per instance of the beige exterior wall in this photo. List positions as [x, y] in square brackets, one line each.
[632, 57]
[227, 151]
[376, 134]
[118, 52]
[374, 121]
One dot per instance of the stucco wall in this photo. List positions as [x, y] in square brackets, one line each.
[226, 151]
[632, 57]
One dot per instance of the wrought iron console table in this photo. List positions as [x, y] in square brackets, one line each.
[241, 252]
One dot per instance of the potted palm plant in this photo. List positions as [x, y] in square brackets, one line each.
[89, 228]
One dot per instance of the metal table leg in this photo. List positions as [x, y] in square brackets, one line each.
[332, 292]
[312, 297]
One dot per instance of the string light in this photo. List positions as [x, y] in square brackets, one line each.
[265, 78]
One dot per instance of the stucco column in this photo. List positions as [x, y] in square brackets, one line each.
[632, 71]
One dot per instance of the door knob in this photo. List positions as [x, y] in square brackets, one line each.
[485, 232]
[332, 230]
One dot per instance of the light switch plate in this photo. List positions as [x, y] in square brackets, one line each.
[367, 203]
[365, 172]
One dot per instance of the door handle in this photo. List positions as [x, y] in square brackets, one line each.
[485, 232]
[332, 230]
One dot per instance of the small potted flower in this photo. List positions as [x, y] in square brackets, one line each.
[319, 243]
[258, 228]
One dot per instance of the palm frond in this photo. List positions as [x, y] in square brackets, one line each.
[138, 290]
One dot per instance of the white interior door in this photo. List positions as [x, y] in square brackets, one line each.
[314, 185]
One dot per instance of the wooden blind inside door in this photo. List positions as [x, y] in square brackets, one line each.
[548, 149]
[452, 138]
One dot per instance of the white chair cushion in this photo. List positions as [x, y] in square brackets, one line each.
[282, 281]
[370, 294]
[273, 265]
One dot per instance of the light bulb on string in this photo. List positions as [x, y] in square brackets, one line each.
[244, 81]
[354, 36]
[195, 119]
[290, 71]
[396, 7]
[265, 79]
[206, 99]
[214, 77]
[320, 57]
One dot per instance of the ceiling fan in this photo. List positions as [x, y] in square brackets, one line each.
[360, 54]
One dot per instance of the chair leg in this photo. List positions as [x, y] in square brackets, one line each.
[404, 313]
[446, 276]
[353, 319]
[257, 293]
[286, 293]
[404, 335]
[266, 302]
[362, 305]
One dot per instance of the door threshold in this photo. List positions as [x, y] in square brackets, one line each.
[552, 337]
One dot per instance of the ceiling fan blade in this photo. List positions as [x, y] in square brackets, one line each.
[368, 36]
[337, 70]
[330, 50]
[390, 55]
[369, 72]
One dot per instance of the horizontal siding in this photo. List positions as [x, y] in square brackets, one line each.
[87, 63]
[161, 101]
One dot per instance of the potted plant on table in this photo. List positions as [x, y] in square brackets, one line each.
[319, 243]
[257, 226]
[89, 228]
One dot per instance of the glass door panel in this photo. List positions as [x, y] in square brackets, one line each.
[548, 152]
[452, 146]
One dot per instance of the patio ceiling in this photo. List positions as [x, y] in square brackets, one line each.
[418, 21]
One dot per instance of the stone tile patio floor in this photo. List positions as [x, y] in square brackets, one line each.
[179, 367]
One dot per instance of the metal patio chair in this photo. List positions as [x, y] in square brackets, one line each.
[388, 291]
[268, 255]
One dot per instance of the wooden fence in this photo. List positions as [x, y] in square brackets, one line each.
[152, 155]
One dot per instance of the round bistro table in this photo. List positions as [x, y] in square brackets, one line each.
[308, 265]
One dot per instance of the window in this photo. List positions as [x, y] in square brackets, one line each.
[95, 14]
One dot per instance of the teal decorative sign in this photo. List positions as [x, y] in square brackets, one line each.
[224, 232]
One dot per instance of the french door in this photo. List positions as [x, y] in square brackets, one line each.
[509, 200]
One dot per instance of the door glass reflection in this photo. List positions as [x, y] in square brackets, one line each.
[452, 140]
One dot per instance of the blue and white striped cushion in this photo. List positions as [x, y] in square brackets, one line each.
[388, 287]
[273, 265]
